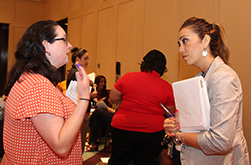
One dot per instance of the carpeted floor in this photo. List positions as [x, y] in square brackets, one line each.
[94, 158]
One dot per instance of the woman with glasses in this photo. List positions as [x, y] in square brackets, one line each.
[41, 124]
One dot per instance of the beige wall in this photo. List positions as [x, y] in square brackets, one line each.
[235, 17]
[19, 15]
[125, 30]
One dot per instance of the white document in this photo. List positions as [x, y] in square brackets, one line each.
[92, 76]
[101, 104]
[72, 91]
[192, 101]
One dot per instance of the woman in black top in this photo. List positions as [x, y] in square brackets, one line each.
[101, 117]
[82, 57]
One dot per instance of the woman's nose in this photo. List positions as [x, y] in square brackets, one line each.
[69, 45]
[181, 49]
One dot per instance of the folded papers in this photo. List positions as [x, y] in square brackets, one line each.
[92, 76]
[191, 99]
[101, 104]
[72, 91]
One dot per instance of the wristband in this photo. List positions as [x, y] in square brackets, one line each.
[85, 99]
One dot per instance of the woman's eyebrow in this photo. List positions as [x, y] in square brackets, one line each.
[181, 37]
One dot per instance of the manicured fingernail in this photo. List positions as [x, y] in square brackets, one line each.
[177, 110]
[173, 135]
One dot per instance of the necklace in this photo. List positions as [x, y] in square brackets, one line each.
[204, 75]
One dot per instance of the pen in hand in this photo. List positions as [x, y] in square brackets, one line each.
[78, 66]
[166, 110]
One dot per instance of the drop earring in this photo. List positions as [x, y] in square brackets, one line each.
[204, 53]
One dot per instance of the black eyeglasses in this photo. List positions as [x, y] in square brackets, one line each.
[58, 39]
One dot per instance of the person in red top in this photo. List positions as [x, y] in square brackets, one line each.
[138, 123]
[41, 124]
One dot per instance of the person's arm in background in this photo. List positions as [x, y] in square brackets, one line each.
[109, 109]
[171, 109]
[116, 96]
[61, 134]
[94, 92]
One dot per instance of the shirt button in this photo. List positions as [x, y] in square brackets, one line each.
[184, 146]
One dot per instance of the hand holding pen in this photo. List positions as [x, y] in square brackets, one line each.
[78, 67]
[171, 124]
[83, 81]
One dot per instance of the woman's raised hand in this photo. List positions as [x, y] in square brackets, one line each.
[83, 83]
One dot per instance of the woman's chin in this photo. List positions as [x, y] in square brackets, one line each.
[66, 61]
[189, 62]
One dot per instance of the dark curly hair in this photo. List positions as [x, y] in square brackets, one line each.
[154, 60]
[30, 54]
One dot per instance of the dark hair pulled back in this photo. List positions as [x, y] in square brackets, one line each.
[77, 52]
[217, 44]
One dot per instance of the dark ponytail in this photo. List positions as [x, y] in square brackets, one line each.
[217, 44]
[77, 52]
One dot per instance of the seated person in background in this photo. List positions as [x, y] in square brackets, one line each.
[101, 117]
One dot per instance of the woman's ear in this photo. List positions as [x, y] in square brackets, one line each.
[206, 40]
[77, 59]
[46, 46]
